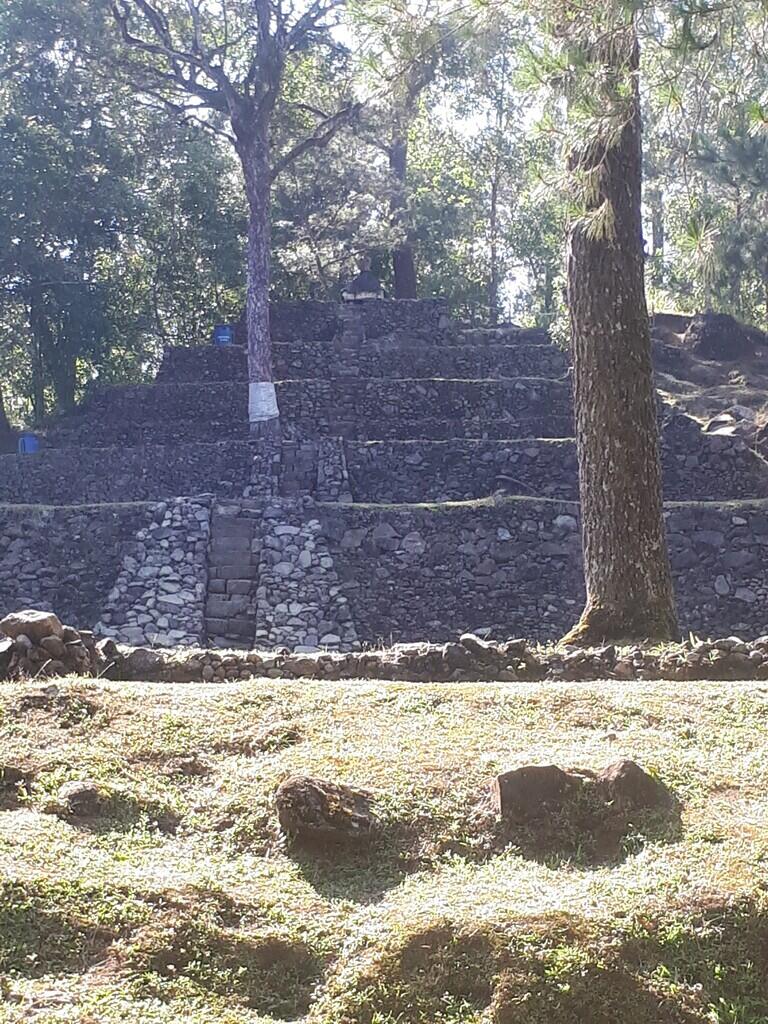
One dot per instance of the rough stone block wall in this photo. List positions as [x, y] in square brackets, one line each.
[696, 467]
[300, 603]
[75, 476]
[184, 413]
[515, 568]
[394, 357]
[64, 559]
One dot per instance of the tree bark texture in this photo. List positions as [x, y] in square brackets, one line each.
[628, 579]
[263, 413]
[403, 262]
[5, 426]
[39, 326]
[494, 279]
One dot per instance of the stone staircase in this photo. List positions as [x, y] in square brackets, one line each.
[233, 576]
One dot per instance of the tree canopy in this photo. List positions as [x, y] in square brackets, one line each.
[428, 136]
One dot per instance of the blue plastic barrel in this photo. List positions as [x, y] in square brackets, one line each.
[223, 334]
[28, 443]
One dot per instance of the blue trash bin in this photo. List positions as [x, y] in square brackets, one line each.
[223, 334]
[28, 443]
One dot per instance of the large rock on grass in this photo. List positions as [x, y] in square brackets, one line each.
[718, 336]
[81, 799]
[528, 793]
[34, 624]
[628, 787]
[314, 810]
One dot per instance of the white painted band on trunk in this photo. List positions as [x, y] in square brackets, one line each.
[262, 402]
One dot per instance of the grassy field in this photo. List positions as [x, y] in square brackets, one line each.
[182, 903]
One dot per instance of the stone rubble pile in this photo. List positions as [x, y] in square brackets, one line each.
[299, 599]
[35, 643]
[159, 595]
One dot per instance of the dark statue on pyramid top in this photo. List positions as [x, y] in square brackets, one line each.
[363, 287]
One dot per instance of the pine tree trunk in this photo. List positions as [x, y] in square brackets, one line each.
[629, 585]
[656, 203]
[493, 230]
[39, 326]
[5, 426]
[403, 262]
[263, 412]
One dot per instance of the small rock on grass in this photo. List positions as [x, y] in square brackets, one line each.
[81, 799]
[530, 792]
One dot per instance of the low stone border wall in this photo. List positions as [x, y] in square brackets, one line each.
[467, 659]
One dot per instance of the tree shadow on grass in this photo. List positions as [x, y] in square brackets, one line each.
[122, 812]
[350, 871]
[678, 967]
[56, 927]
[274, 974]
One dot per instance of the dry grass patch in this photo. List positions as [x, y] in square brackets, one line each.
[220, 921]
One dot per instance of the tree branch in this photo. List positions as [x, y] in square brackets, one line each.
[320, 138]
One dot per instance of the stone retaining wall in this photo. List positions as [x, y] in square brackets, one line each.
[182, 413]
[394, 358]
[342, 575]
[159, 595]
[697, 466]
[64, 559]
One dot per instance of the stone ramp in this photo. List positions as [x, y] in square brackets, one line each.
[233, 563]
[272, 580]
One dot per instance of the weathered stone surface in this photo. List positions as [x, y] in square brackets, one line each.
[718, 336]
[533, 791]
[54, 646]
[34, 624]
[82, 799]
[142, 664]
[629, 787]
[319, 811]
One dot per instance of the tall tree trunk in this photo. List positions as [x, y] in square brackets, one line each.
[629, 585]
[494, 278]
[263, 412]
[549, 295]
[63, 374]
[6, 433]
[656, 203]
[40, 328]
[403, 263]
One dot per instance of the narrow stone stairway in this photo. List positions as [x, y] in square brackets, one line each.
[233, 568]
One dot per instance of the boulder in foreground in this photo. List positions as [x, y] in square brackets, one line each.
[34, 624]
[628, 787]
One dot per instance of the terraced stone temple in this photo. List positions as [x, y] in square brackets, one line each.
[425, 485]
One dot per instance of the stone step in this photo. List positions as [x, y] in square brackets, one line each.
[363, 409]
[696, 467]
[371, 360]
